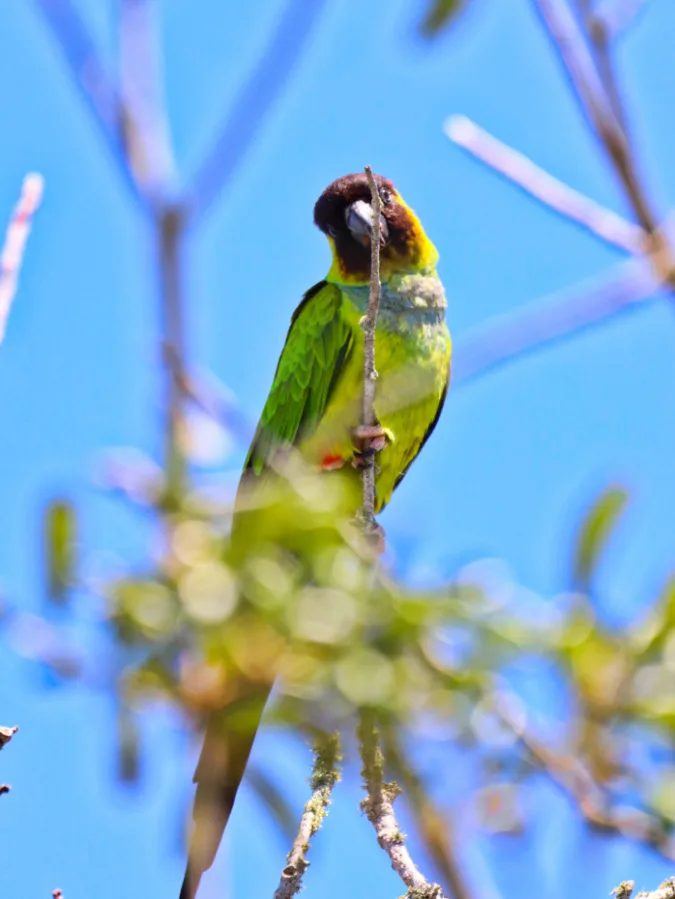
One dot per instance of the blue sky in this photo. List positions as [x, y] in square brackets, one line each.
[511, 464]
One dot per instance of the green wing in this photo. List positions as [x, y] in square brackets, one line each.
[318, 344]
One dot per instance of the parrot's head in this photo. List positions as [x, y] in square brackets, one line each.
[345, 215]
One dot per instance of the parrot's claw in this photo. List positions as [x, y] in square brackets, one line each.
[367, 440]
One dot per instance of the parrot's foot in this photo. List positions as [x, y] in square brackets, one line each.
[367, 440]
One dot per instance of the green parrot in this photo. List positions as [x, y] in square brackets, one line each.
[315, 406]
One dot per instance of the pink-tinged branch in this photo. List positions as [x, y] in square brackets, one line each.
[15, 244]
[536, 325]
[553, 193]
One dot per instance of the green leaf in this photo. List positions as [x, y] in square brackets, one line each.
[439, 16]
[274, 801]
[60, 536]
[597, 528]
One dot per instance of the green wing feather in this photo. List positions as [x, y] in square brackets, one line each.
[318, 345]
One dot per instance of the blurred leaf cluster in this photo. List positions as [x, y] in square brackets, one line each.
[290, 595]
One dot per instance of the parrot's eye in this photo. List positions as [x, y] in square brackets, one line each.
[385, 196]
[331, 231]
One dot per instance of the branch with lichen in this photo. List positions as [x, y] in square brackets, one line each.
[665, 891]
[379, 809]
[325, 774]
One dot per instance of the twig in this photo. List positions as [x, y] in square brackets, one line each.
[576, 781]
[565, 314]
[145, 125]
[15, 244]
[6, 734]
[368, 324]
[599, 109]
[379, 808]
[96, 86]
[665, 891]
[434, 828]
[325, 775]
[256, 100]
[550, 191]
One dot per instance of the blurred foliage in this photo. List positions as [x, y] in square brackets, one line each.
[60, 538]
[286, 591]
[596, 530]
[439, 15]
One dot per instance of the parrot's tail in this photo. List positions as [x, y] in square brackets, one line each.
[219, 773]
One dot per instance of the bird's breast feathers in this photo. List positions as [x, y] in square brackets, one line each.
[412, 353]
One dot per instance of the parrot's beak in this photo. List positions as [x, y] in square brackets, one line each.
[359, 218]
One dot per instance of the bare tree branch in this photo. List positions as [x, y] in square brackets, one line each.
[379, 808]
[550, 191]
[325, 775]
[96, 86]
[6, 734]
[145, 125]
[16, 236]
[435, 829]
[591, 800]
[537, 325]
[598, 107]
[256, 100]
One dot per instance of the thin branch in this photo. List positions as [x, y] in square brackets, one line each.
[379, 809]
[434, 828]
[591, 800]
[145, 124]
[255, 102]
[565, 314]
[97, 88]
[550, 191]
[325, 775]
[368, 324]
[583, 72]
[11, 256]
[6, 734]
[601, 37]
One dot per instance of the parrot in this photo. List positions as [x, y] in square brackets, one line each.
[315, 404]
